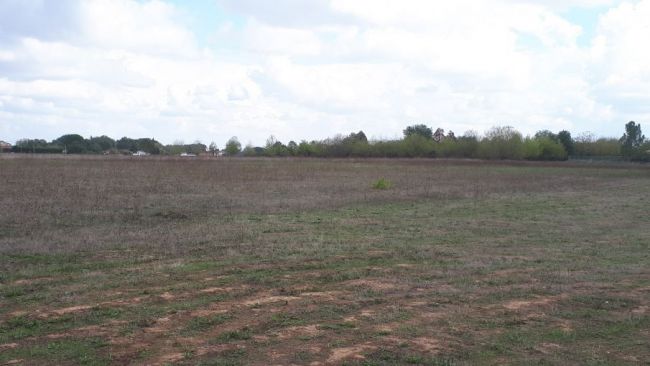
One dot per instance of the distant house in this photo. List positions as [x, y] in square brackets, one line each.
[5, 147]
[140, 153]
[188, 155]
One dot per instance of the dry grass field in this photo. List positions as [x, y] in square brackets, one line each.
[152, 261]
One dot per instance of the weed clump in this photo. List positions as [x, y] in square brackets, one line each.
[382, 184]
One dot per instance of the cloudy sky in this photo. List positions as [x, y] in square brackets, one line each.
[307, 69]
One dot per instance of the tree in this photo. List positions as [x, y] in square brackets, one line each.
[503, 133]
[419, 130]
[249, 150]
[148, 145]
[213, 148]
[632, 139]
[275, 148]
[69, 139]
[31, 143]
[305, 149]
[233, 146]
[72, 144]
[292, 146]
[126, 143]
[38, 146]
[357, 137]
[103, 142]
[564, 138]
[546, 134]
[502, 142]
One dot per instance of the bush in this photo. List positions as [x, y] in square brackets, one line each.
[502, 143]
[552, 150]
[532, 149]
[382, 184]
[462, 147]
[642, 154]
[417, 146]
[598, 148]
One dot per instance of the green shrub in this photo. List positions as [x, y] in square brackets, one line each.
[532, 149]
[462, 147]
[415, 146]
[382, 184]
[642, 153]
[590, 147]
[501, 143]
[552, 150]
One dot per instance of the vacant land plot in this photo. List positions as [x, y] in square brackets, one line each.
[258, 262]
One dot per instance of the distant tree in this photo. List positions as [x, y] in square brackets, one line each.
[103, 142]
[292, 146]
[357, 137]
[585, 137]
[233, 146]
[546, 134]
[419, 130]
[564, 138]
[38, 146]
[502, 142]
[305, 149]
[69, 139]
[196, 148]
[175, 149]
[632, 139]
[213, 148]
[471, 135]
[148, 145]
[503, 133]
[271, 142]
[127, 144]
[275, 148]
[31, 143]
[249, 150]
[72, 143]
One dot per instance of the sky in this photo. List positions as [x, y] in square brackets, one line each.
[206, 70]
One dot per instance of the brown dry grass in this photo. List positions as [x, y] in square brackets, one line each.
[158, 261]
[90, 203]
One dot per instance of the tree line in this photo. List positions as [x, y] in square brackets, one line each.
[418, 140]
[77, 144]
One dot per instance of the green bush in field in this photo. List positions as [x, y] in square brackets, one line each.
[462, 147]
[502, 143]
[382, 184]
[552, 150]
[532, 149]
[602, 147]
[642, 153]
[543, 148]
[414, 146]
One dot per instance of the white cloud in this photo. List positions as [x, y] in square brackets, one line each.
[265, 39]
[300, 69]
[142, 27]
